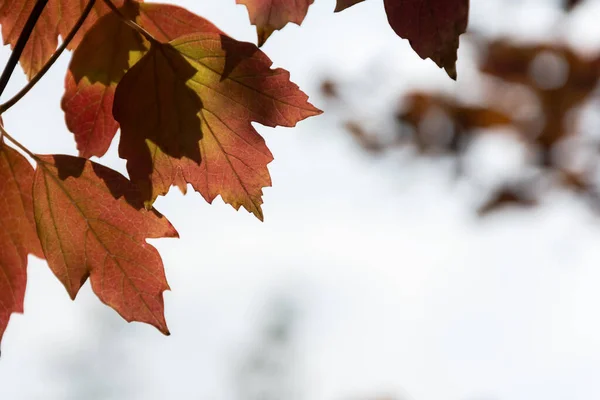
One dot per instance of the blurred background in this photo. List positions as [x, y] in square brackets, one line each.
[424, 239]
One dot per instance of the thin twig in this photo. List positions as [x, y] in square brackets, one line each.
[51, 61]
[13, 60]
[132, 24]
[5, 134]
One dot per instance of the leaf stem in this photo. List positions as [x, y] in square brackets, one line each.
[4, 134]
[132, 24]
[67, 40]
[13, 60]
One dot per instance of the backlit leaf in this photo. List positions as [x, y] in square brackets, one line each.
[91, 222]
[57, 19]
[272, 15]
[186, 109]
[17, 231]
[432, 27]
[109, 49]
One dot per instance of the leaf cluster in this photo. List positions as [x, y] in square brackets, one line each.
[184, 96]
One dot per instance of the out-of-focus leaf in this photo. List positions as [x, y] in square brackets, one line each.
[463, 119]
[571, 4]
[508, 196]
[559, 77]
[369, 142]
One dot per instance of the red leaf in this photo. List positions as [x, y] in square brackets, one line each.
[186, 109]
[432, 27]
[17, 231]
[91, 222]
[57, 19]
[109, 49]
[272, 15]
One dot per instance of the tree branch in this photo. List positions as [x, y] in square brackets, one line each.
[132, 24]
[4, 134]
[21, 42]
[51, 61]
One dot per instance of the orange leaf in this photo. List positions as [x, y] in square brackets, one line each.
[17, 231]
[91, 222]
[432, 27]
[109, 49]
[186, 109]
[272, 15]
[57, 19]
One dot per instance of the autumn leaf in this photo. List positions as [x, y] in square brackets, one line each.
[432, 27]
[341, 5]
[97, 65]
[91, 222]
[186, 109]
[109, 49]
[272, 15]
[57, 19]
[17, 231]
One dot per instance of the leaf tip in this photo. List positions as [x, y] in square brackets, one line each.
[451, 71]
[259, 215]
[72, 294]
[316, 111]
[263, 34]
[172, 233]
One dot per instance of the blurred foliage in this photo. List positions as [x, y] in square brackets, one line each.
[532, 92]
[268, 371]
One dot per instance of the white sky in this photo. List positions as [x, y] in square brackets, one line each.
[402, 289]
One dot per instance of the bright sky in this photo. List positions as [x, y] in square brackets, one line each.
[402, 290]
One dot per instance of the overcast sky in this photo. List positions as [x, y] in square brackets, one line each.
[401, 289]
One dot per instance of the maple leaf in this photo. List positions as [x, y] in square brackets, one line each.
[186, 109]
[432, 27]
[57, 19]
[109, 49]
[17, 231]
[91, 222]
[341, 5]
[272, 15]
